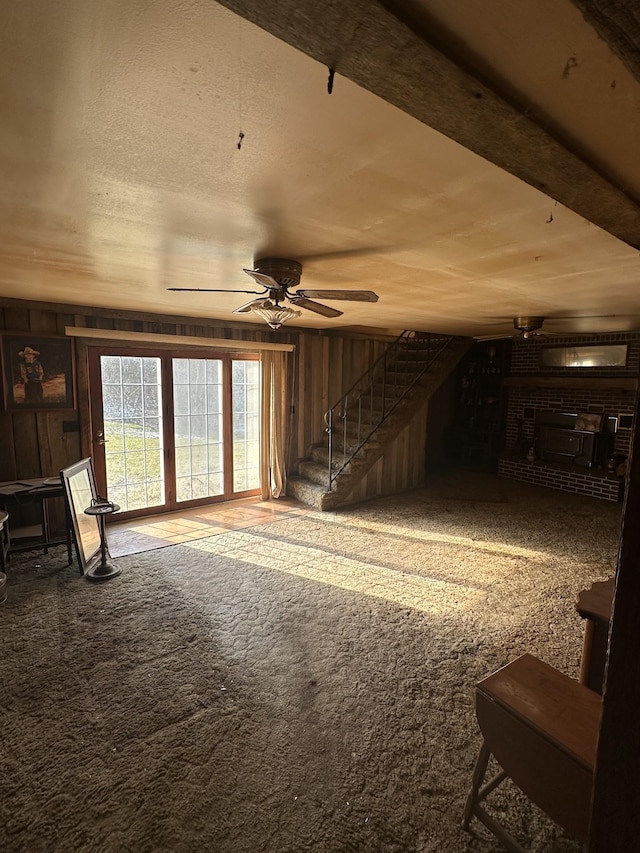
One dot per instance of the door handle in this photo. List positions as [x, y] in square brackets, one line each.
[100, 439]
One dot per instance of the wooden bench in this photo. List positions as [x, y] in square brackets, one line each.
[594, 606]
[542, 728]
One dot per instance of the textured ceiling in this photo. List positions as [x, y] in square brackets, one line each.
[123, 175]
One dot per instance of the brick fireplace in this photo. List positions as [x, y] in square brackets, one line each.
[541, 397]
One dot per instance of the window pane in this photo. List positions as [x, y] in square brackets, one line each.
[132, 370]
[197, 392]
[112, 401]
[180, 398]
[197, 399]
[132, 400]
[197, 371]
[151, 371]
[150, 396]
[110, 369]
[181, 429]
[246, 424]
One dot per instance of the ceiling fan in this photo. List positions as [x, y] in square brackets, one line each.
[278, 277]
[531, 326]
[528, 327]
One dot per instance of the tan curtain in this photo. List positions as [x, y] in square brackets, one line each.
[273, 426]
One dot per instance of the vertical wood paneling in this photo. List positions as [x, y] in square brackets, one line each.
[43, 322]
[83, 394]
[402, 466]
[322, 367]
[58, 449]
[16, 319]
[8, 469]
[25, 440]
[300, 405]
[325, 374]
[317, 381]
[63, 320]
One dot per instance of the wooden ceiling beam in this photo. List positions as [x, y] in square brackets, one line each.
[618, 23]
[366, 43]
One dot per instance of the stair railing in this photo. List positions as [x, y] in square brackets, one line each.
[371, 399]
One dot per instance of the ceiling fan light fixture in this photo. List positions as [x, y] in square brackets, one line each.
[273, 314]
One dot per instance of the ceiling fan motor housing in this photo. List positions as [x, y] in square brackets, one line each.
[286, 272]
[528, 325]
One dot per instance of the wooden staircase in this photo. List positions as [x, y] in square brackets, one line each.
[372, 414]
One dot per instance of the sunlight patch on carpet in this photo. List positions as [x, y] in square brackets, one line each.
[369, 526]
[403, 588]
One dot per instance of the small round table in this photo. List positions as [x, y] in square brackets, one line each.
[103, 570]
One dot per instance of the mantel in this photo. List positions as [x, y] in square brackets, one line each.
[623, 383]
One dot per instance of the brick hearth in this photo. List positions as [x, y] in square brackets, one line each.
[593, 482]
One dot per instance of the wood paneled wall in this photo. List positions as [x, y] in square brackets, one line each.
[36, 444]
[403, 465]
[323, 366]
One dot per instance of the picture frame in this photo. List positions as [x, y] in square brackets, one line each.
[38, 371]
[80, 490]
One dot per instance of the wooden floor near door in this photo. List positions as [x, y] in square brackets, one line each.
[158, 531]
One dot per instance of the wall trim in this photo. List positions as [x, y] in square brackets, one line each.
[98, 336]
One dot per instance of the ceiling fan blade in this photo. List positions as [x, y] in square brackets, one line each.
[346, 295]
[325, 310]
[249, 306]
[493, 337]
[212, 290]
[265, 280]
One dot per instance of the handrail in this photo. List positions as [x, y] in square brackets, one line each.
[356, 407]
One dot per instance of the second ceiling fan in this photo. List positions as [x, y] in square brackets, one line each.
[278, 277]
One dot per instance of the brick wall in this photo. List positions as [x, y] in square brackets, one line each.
[576, 397]
[594, 484]
[525, 355]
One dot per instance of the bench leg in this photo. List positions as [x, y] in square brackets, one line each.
[478, 793]
[478, 776]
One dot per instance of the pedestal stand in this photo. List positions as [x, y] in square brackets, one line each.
[103, 570]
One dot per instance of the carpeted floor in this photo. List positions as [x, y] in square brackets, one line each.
[304, 685]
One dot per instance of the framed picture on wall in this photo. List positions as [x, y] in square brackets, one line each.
[37, 371]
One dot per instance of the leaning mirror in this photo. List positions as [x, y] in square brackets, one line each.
[80, 489]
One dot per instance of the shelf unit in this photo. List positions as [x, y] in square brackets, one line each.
[476, 434]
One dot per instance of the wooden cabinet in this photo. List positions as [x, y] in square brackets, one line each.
[476, 434]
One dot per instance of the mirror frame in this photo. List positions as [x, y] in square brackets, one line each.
[86, 529]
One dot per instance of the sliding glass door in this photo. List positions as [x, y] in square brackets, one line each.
[170, 431]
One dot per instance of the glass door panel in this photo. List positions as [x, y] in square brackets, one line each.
[170, 431]
[245, 383]
[133, 433]
[198, 427]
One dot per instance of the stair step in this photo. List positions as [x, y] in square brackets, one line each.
[356, 434]
[320, 455]
[312, 494]
[407, 366]
[316, 472]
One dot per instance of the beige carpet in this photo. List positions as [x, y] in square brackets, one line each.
[304, 685]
